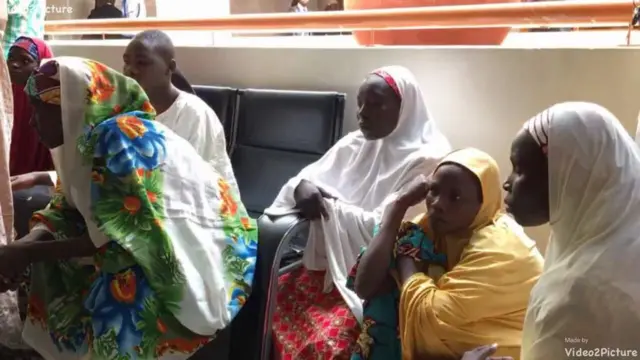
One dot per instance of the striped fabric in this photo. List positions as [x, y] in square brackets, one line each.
[538, 127]
[26, 18]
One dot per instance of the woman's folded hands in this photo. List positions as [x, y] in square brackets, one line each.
[310, 200]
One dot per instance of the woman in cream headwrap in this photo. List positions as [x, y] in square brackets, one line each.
[576, 167]
[490, 264]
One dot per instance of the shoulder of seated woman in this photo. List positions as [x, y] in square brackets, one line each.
[352, 138]
[494, 240]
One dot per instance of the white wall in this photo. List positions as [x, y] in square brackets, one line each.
[479, 97]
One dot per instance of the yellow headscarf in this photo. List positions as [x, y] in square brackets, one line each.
[483, 299]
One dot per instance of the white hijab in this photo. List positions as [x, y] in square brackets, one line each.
[362, 175]
[589, 295]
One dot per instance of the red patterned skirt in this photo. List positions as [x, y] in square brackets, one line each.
[309, 324]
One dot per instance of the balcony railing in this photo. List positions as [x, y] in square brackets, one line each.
[607, 13]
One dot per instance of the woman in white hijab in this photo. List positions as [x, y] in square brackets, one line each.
[576, 167]
[344, 194]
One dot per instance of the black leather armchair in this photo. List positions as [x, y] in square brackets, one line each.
[271, 135]
[278, 133]
[223, 100]
[284, 239]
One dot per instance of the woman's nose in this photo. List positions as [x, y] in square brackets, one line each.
[128, 71]
[506, 186]
[436, 205]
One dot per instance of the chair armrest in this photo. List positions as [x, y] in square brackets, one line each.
[276, 233]
[275, 236]
[249, 327]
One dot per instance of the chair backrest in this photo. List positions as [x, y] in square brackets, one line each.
[276, 134]
[223, 100]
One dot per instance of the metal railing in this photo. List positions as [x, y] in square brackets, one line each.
[577, 13]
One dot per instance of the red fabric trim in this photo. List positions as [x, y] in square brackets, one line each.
[389, 80]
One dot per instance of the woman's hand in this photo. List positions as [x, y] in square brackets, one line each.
[484, 353]
[14, 261]
[310, 200]
[416, 193]
[27, 181]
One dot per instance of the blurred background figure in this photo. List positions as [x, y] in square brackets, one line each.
[335, 6]
[299, 6]
[105, 9]
[134, 9]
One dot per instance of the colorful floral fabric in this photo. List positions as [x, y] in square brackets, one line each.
[37, 48]
[176, 242]
[379, 338]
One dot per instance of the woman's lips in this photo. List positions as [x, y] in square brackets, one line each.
[507, 203]
[437, 220]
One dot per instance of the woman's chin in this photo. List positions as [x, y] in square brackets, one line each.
[438, 226]
[18, 79]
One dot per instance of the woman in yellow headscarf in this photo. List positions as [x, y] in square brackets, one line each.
[490, 264]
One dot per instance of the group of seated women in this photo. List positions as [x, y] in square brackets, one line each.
[145, 250]
[411, 256]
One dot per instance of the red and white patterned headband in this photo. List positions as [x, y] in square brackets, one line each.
[389, 80]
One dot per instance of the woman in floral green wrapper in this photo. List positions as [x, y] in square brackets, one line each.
[144, 252]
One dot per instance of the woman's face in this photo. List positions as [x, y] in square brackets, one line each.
[454, 198]
[527, 186]
[21, 65]
[378, 108]
[47, 120]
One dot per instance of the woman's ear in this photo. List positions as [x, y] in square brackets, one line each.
[172, 65]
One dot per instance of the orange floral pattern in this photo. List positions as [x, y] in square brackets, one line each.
[131, 126]
[123, 287]
[228, 206]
